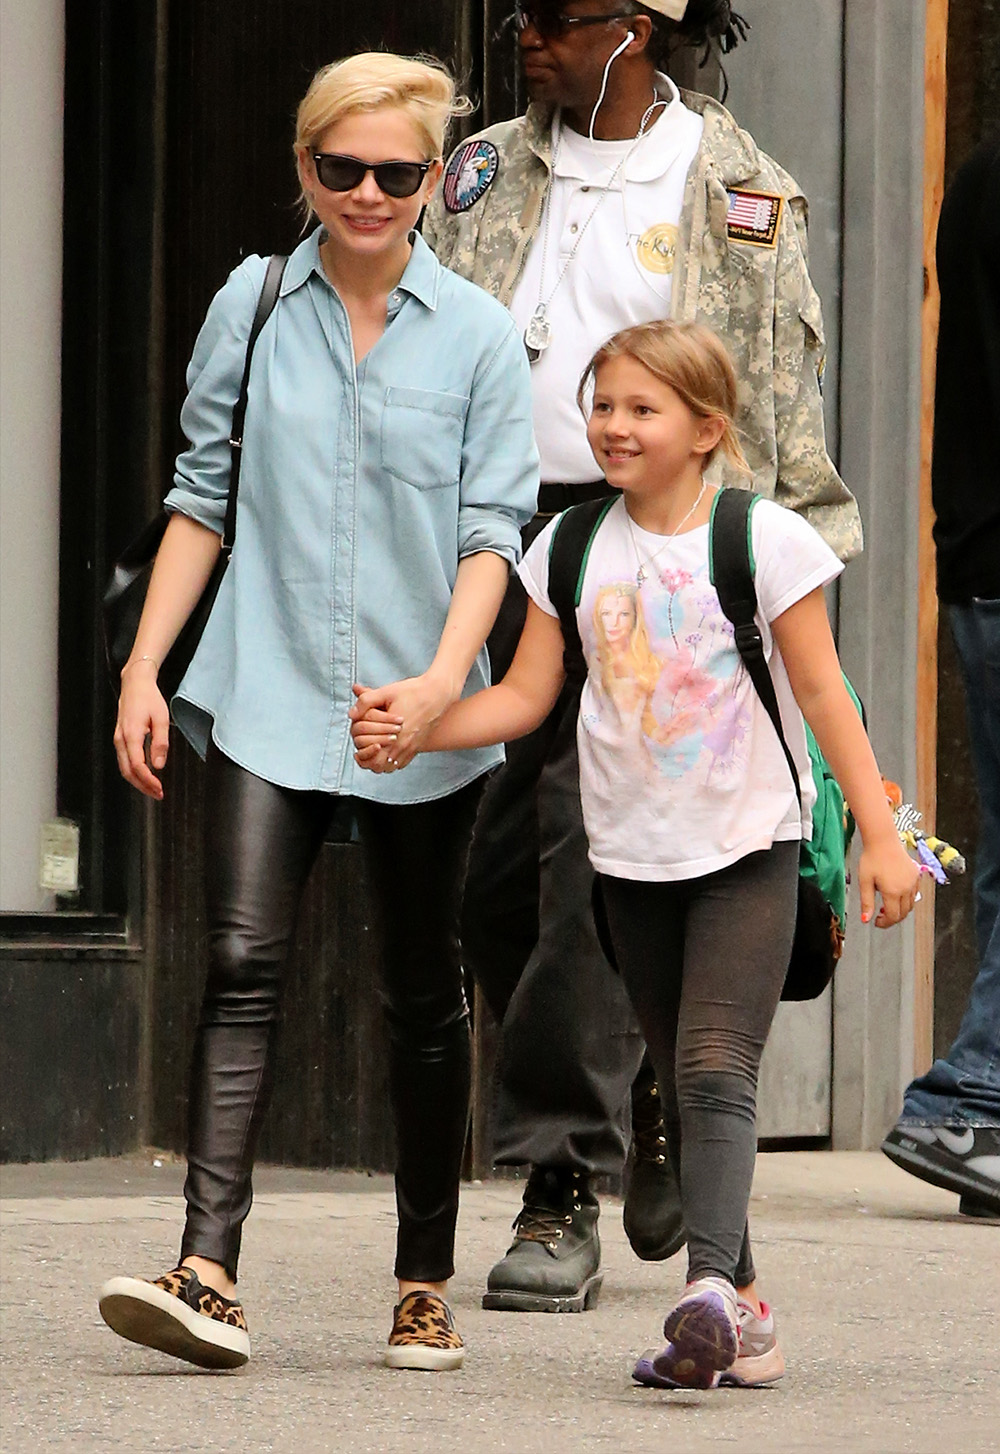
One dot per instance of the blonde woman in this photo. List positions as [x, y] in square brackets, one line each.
[388, 466]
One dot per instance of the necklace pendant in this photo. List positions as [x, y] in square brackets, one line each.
[640, 575]
[538, 334]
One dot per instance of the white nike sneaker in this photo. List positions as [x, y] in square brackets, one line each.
[962, 1159]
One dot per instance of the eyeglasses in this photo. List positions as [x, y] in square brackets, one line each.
[339, 173]
[554, 23]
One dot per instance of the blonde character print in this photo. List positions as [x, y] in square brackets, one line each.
[628, 668]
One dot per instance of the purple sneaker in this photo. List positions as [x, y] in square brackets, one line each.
[703, 1336]
[758, 1364]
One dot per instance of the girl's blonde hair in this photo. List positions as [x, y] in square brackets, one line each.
[418, 85]
[693, 361]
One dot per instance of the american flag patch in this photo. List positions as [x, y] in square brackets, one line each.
[754, 217]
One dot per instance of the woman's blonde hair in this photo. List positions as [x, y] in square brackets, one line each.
[418, 85]
[693, 361]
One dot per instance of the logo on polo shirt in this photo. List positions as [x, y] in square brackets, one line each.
[657, 248]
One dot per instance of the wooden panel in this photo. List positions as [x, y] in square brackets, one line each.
[935, 91]
[70, 1045]
[973, 74]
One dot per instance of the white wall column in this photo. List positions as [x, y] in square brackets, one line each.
[31, 244]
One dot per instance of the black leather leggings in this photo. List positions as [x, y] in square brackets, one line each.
[261, 843]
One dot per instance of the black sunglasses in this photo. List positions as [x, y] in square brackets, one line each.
[552, 23]
[339, 173]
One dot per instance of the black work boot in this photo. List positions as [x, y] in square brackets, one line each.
[552, 1264]
[654, 1223]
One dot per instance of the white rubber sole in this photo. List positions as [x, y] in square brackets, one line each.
[759, 1372]
[147, 1315]
[425, 1360]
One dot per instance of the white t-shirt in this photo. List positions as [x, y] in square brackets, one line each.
[681, 772]
[622, 270]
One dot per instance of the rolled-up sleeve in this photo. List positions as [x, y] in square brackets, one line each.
[499, 486]
[201, 477]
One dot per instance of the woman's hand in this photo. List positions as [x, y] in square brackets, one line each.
[142, 714]
[397, 718]
[887, 868]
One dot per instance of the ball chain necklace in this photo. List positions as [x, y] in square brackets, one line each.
[642, 573]
[538, 334]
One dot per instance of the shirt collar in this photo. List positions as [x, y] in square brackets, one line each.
[648, 158]
[421, 276]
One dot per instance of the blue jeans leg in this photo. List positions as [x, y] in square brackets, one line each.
[964, 1086]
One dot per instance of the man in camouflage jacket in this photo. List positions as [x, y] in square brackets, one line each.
[570, 1048]
[759, 298]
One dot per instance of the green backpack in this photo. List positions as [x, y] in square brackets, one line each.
[821, 917]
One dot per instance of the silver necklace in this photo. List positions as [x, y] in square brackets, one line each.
[538, 334]
[642, 572]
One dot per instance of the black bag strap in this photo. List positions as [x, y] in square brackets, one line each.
[568, 554]
[265, 305]
[731, 571]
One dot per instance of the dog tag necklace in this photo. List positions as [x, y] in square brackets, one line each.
[538, 334]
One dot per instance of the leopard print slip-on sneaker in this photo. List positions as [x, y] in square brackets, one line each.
[178, 1315]
[424, 1335]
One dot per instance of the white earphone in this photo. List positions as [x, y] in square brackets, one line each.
[630, 37]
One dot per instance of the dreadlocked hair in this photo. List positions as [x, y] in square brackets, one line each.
[707, 24]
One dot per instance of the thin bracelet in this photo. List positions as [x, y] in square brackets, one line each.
[133, 660]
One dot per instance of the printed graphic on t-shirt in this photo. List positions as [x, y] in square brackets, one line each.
[656, 249]
[665, 661]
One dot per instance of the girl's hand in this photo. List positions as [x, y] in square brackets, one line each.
[409, 708]
[887, 868]
[142, 714]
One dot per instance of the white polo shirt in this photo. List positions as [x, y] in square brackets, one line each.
[625, 236]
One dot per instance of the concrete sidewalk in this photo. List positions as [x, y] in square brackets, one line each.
[889, 1307]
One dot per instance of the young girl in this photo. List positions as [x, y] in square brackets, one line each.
[698, 867]
[388, 464]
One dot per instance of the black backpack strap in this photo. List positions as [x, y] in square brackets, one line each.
[568, 553]
[731, 570]
[265, 305]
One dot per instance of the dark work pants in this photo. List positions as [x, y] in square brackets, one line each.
[262, 841]
[570, 1046]
[704, 960]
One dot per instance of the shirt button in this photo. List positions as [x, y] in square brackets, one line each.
[584, 189]
[573, 227]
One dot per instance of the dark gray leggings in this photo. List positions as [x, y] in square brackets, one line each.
[704, 961]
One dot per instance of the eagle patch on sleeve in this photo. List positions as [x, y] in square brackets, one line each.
[753, 217]
[469, 175]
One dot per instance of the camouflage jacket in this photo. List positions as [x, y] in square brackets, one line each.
[757, 295]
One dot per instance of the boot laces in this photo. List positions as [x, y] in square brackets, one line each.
[541, 1224]
[647, 1130]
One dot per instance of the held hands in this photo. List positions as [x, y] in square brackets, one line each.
[391, 723]
[142, 714]
[887, 868]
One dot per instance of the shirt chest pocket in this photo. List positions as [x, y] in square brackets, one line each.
[421, 437]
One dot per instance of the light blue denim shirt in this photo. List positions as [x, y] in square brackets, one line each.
[361, 489]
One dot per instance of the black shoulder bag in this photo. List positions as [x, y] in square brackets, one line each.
[125, 593]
